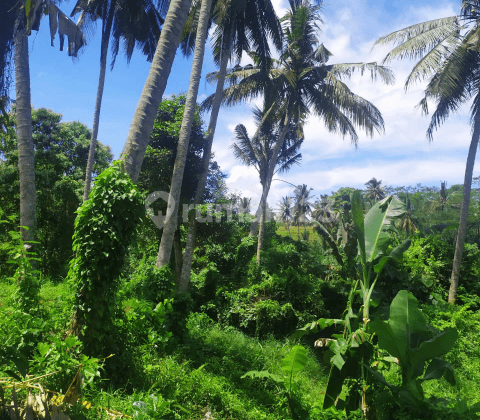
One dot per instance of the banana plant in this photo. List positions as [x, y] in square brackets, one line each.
[352, 350]
[406, 336]
[374, 237]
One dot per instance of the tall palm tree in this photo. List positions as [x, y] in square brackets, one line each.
[324, 213]
[407, 223]
[240, 25]
[285, 211]
[170, 225]
[135, 23]
[374, 192]
[257, 152]
[27, 17]
[26, 165]
[300, 82]
[152, 93]
[302, 206]
[451, 62]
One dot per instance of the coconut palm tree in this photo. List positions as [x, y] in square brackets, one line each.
[324, 213]
[285, 211]
[240, 25]
[407, 223]
[152, 93]
[135, 23]
[170, 225]
[303, 205]
[257, 152]
[450, 61]
[300, 82]
[374, 192]
[27, 17]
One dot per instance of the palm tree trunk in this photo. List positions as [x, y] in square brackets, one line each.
[170, 226]
[26, 164]
[144, 117]
[177, 248]
[106, 29]
[462, 228]
[261, 230]
[190, 245]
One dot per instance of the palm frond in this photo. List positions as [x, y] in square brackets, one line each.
[321, 54]
[455, 83]
[402, 35]
[346, 70]
[432, 61]
[413, 42]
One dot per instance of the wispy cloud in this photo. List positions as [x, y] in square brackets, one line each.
[401, 156]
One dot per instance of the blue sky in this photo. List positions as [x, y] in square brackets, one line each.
[402, 156]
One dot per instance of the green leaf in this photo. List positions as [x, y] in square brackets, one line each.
[438, 368]
[262, 374]
[378, 223]
[405, 320]
[72, 341]
[338, 361]
[43, 348]
[20, 360]
[357, 212]
[295, 360]
[437, 346]
[405, 316]
[334, 387]
[387, 340]
[396, 255]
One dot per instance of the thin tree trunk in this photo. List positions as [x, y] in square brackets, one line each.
[144, 117]
[26, 165]
[190, 245]
[462, 228]
[170, 226]
[106, 30]
[177, 247]
[261, 230]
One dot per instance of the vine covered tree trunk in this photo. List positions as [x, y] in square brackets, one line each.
[170, 226]
[144, 117]
[98, 103]
[26, 165]
[462, 225]
[192, 229]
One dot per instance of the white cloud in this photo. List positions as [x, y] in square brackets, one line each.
[401, 156]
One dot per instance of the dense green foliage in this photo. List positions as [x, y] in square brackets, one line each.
[170, 364]
[345, 319]
[160, 155]
[342, 319]
[61, 153]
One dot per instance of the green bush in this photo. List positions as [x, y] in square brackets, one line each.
[151, 283]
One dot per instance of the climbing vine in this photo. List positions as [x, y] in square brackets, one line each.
[104, 227]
